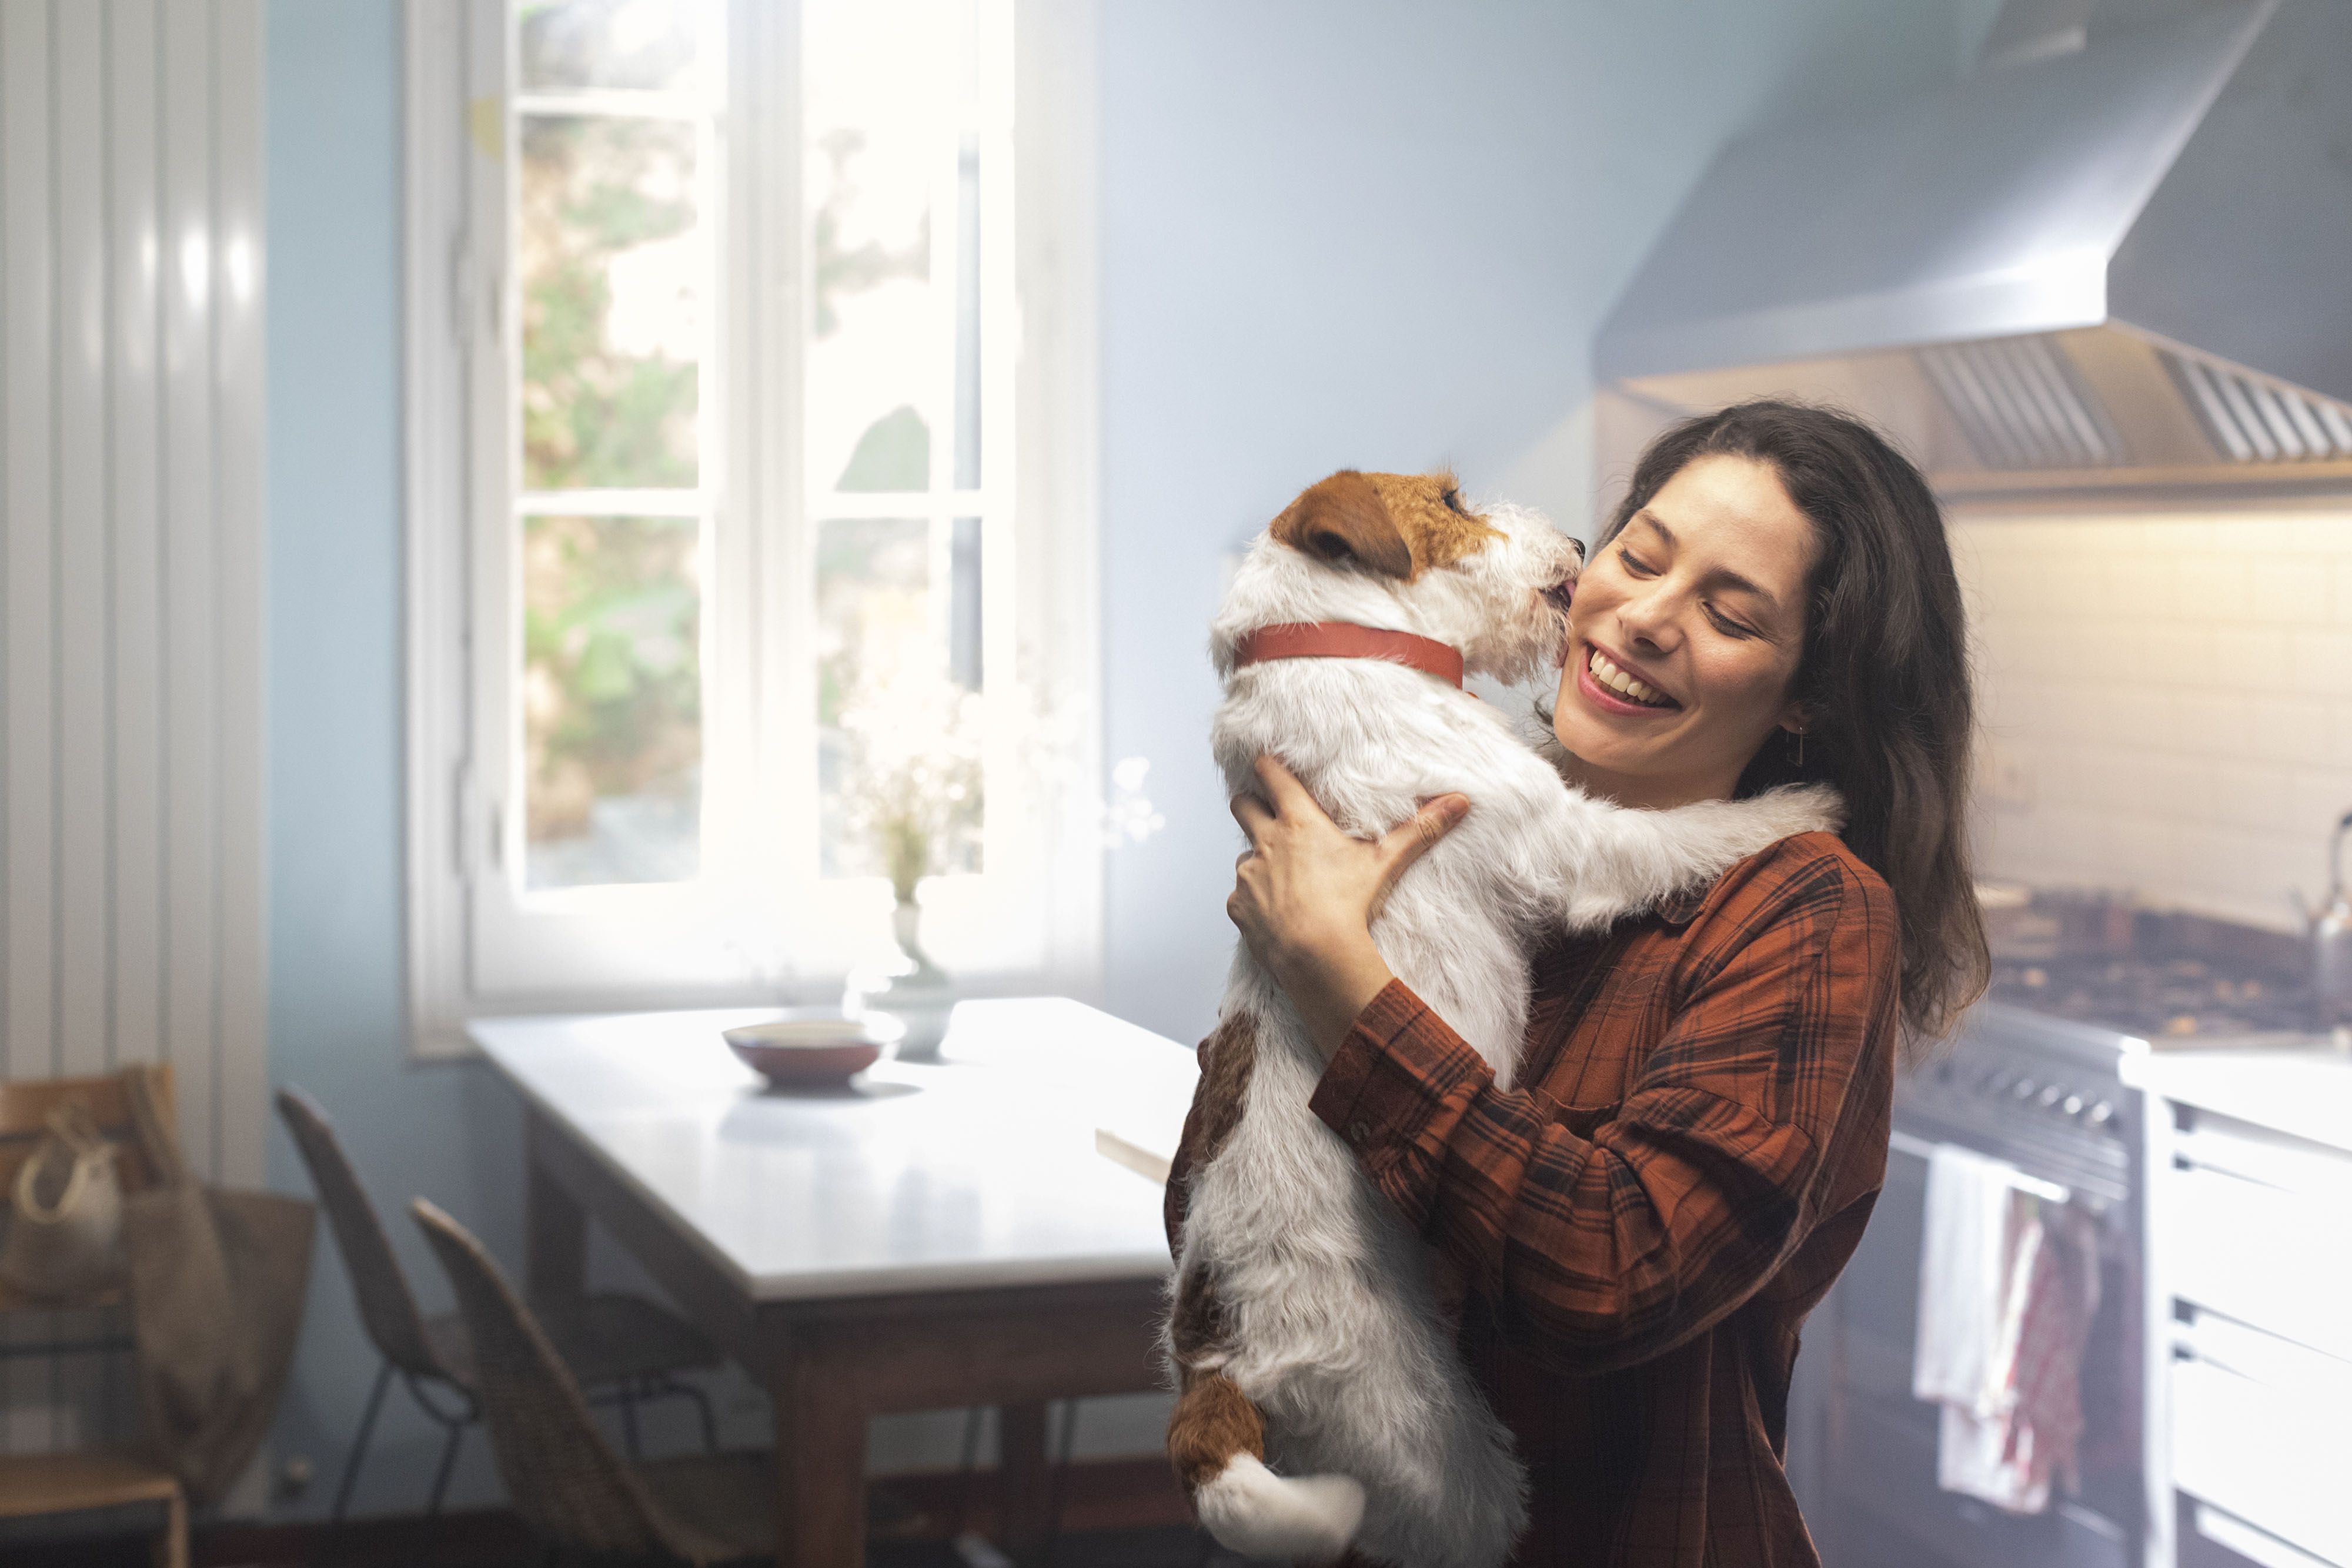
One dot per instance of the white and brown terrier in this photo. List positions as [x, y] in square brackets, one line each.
[1321, 1402]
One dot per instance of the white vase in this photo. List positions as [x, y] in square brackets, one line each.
[918, 994]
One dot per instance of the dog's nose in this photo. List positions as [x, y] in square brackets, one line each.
[1578, 546]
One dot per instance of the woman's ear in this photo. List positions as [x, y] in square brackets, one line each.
[1341, 519]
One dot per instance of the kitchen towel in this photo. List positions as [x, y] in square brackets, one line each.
[2054, 1329]
[2005, 1296]
[1975, 1215]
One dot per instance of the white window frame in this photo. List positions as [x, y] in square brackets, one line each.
[771, 930]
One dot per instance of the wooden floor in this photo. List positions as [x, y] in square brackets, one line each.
[496, 1541]
[1115, 1513]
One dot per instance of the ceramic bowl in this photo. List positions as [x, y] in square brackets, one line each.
[812, 1048]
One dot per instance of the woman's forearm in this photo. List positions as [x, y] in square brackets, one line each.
[1305, 896]
[1330, 982]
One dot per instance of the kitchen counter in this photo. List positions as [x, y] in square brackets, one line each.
[2304, 1092]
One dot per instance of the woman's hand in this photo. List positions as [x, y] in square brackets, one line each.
[1305, 894]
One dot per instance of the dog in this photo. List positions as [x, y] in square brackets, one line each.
[1321, 1406]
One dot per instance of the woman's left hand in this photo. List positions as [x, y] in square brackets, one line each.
[1306, 893]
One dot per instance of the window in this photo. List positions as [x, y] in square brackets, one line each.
[751, 513]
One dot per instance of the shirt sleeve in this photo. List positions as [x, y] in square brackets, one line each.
[1605, 1250]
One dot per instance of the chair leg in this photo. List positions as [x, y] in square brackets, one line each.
[359, 1445]
[629, 1422]
[172, 1551]
[972, 1419]
[448, 1463]
[1060, 1479]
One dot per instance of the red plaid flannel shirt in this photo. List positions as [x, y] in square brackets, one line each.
[1697, 1140]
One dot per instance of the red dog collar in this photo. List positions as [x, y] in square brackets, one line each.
[1345, 639]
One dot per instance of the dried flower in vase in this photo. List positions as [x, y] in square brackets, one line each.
[912, 784]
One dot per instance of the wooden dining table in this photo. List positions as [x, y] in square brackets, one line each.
[930, 1236]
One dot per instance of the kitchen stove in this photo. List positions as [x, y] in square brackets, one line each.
[2186, 1001]
[2034, 1078]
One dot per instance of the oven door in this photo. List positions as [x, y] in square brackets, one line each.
[1874, 1497]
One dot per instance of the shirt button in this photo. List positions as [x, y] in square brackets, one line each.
[1360, 1131]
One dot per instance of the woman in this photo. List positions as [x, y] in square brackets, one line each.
[1701, 1130]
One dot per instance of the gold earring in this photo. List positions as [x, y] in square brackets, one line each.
[1800, 749]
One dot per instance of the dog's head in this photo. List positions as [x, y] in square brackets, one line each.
[1403, 552]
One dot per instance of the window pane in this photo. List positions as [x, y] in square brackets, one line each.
[609, 44]
[611, 265]
[612, 699]
[967, 368]
[900, 737]
[895, 454]
[890, 97]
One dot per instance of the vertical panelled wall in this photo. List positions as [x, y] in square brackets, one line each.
[131, 581]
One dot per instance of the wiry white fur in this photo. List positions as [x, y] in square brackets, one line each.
[1334, 1326]
[1279, 1519]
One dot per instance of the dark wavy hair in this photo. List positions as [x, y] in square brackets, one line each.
[1884, 675]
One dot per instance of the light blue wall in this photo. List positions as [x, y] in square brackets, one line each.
[1334, 233]
[1378, 235]
[335, 789]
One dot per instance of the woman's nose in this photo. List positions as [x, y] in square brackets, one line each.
[1649, 618]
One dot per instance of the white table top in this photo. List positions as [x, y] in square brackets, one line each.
[2304, 1093]
[979, 1170]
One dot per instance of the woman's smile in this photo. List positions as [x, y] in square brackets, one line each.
[1610, 682]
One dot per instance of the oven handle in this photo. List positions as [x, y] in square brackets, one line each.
[1904, 1142]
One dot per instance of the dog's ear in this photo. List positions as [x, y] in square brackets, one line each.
[1343, 518]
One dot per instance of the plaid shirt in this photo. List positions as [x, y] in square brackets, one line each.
[1697, 1140]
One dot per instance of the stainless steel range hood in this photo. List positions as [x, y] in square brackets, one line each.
[2119, 252]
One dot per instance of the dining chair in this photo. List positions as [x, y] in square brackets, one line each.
[565, 1482]
[626, 1347]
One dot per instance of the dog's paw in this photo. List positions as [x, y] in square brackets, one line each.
[1284, 1519]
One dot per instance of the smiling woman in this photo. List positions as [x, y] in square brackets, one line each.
[1775, 567]
[1698, 1128]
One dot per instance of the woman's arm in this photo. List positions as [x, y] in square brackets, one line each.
[1304, 893]
[1606, 1250]
[1304, 896]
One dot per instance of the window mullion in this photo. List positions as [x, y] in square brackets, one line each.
[767, 99]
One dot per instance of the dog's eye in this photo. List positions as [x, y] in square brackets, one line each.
[1452, 498]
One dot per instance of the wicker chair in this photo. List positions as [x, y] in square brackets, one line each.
[561, 1478]
[627, 1347]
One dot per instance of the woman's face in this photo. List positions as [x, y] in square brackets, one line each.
[1698, 606]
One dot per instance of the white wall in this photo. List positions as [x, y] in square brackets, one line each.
[1380, 235]
[2168, 701]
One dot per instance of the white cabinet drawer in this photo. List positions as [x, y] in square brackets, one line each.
[2274, 1258]
[2263, 1429]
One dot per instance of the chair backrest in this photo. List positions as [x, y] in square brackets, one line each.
[387, 1306]
[562, 1477]
[26, 1104]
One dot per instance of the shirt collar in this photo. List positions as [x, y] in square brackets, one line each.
[1680, 908]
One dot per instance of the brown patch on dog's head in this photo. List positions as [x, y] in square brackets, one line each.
[1397, 525]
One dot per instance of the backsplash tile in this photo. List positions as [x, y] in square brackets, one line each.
[2166, 701]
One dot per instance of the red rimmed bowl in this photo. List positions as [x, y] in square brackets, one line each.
[812, 1048]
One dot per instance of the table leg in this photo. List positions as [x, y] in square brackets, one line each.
[820, 1471]
[1024, 1481]
[555, 1227]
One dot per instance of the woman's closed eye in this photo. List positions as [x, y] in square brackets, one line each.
[1637, 567]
